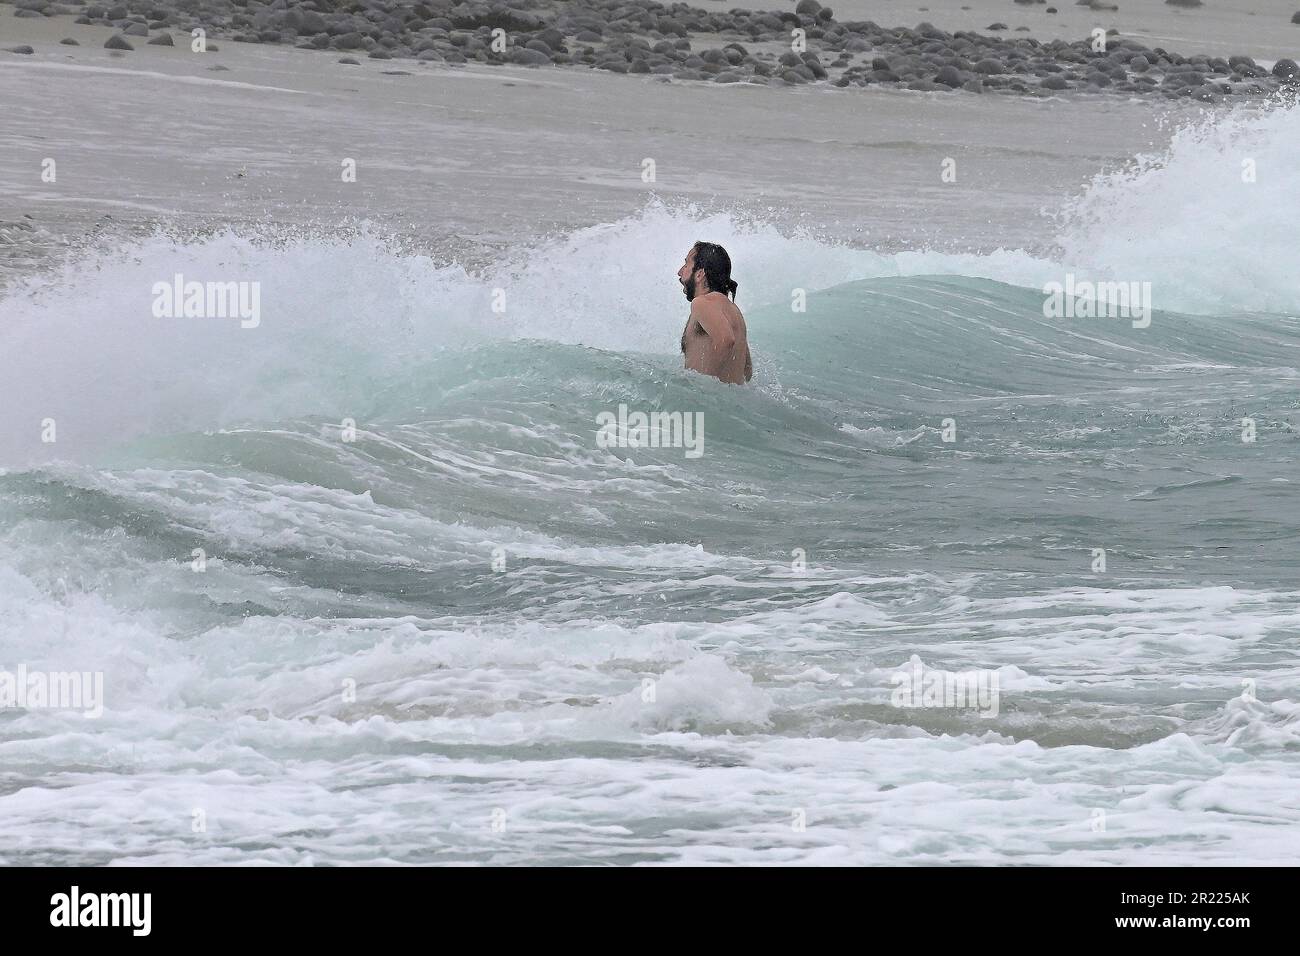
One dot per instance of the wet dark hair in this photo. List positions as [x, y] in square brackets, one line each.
[715, 262]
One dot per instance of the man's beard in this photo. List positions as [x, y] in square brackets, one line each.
[688, 288]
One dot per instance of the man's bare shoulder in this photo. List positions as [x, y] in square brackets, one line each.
[714, 304]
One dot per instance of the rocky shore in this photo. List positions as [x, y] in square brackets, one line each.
[681, 42]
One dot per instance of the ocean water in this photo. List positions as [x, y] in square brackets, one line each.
[364, 585]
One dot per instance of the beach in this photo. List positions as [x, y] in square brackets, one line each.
[569, 142]
[963, 577]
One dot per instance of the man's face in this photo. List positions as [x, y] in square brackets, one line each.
[686, 275]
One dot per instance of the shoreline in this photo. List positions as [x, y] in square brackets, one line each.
[168, 141]
[193, 142]
[683, 43]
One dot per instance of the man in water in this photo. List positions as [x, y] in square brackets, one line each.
[714, 340]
